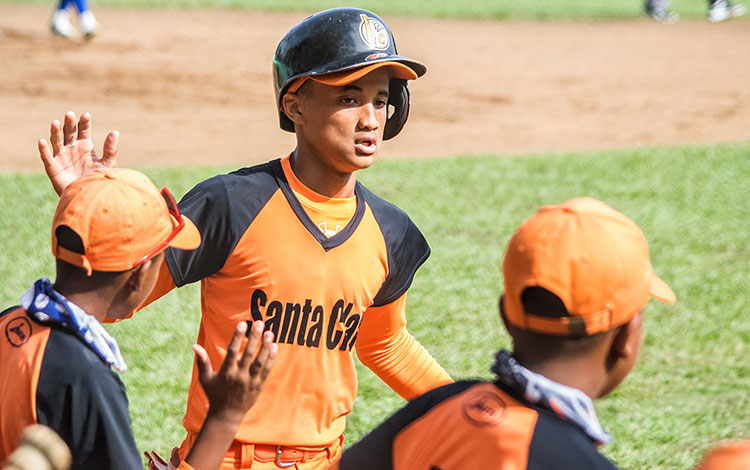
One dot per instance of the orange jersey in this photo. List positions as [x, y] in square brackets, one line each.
[262, 257]
[473, 425]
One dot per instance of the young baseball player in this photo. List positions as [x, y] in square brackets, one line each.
[301, 245]
[577, 279]
[109, 234]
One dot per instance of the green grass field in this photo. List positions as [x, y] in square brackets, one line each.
[547, 10]
[691, 384]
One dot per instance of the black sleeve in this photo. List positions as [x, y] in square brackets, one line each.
[85, 403]
[222, 208]
[375, 450]
[561, 445]
[406, 246]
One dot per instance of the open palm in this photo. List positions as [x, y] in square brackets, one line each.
[70, 152]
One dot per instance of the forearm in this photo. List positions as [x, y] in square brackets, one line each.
[213, 441]
[404, 364]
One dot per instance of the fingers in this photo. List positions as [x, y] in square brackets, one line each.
[46, 154]
[266, 357]
[233, 350]
[205, 371]
[69, 128]
[155, 462]
[56, 137]
[84, 127]
[111, 145]
[174, 459]
[252, 345]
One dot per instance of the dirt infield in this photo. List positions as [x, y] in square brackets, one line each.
[194, 87]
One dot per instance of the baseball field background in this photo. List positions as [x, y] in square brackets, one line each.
[524, 104]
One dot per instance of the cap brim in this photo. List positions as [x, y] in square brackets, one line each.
[398, 70]
[661, 291]
[189, 238]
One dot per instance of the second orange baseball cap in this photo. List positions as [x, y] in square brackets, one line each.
[122, 219]
[728, 455]
[592, 257]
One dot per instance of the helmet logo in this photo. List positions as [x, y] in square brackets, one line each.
[373, 32]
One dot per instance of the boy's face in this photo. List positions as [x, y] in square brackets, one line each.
[343, 125]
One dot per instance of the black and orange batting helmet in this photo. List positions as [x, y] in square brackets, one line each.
[338, 40]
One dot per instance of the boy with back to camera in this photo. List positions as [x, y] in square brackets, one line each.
[577, 279]
[109, 234]
[301, 245]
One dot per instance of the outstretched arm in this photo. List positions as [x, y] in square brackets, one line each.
[388, 349]
[70, 151]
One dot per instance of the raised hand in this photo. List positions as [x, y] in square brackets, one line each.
[234, 388]
[72, 153]
[231, 391]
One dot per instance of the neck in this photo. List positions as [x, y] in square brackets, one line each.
[95, 302]
[582, 373]
[320, 177]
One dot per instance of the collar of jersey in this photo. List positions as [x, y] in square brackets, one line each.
[339, 206]
[327, 243]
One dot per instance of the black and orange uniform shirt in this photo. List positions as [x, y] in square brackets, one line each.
[50, 376]
[474, 425]
[262, 257]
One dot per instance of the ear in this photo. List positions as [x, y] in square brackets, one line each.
[627, 340]
[291, 107]
[135, 281]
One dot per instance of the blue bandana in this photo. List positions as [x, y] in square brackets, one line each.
[47, 306]
[569, 403]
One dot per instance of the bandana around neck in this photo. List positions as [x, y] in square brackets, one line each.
[569, 403]
[47, 306]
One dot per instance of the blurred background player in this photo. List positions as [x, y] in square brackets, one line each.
[577, 278]
[61, 24]
[109, 234]
[300, 244]
[718, 10]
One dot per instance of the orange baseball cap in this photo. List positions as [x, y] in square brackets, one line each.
[345, 77]
[731, 455]
[592, 257]
[122, 219]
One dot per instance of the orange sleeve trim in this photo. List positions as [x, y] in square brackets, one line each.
[388, 349]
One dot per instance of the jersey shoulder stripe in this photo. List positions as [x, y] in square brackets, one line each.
[222, 207]
[406, 247]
